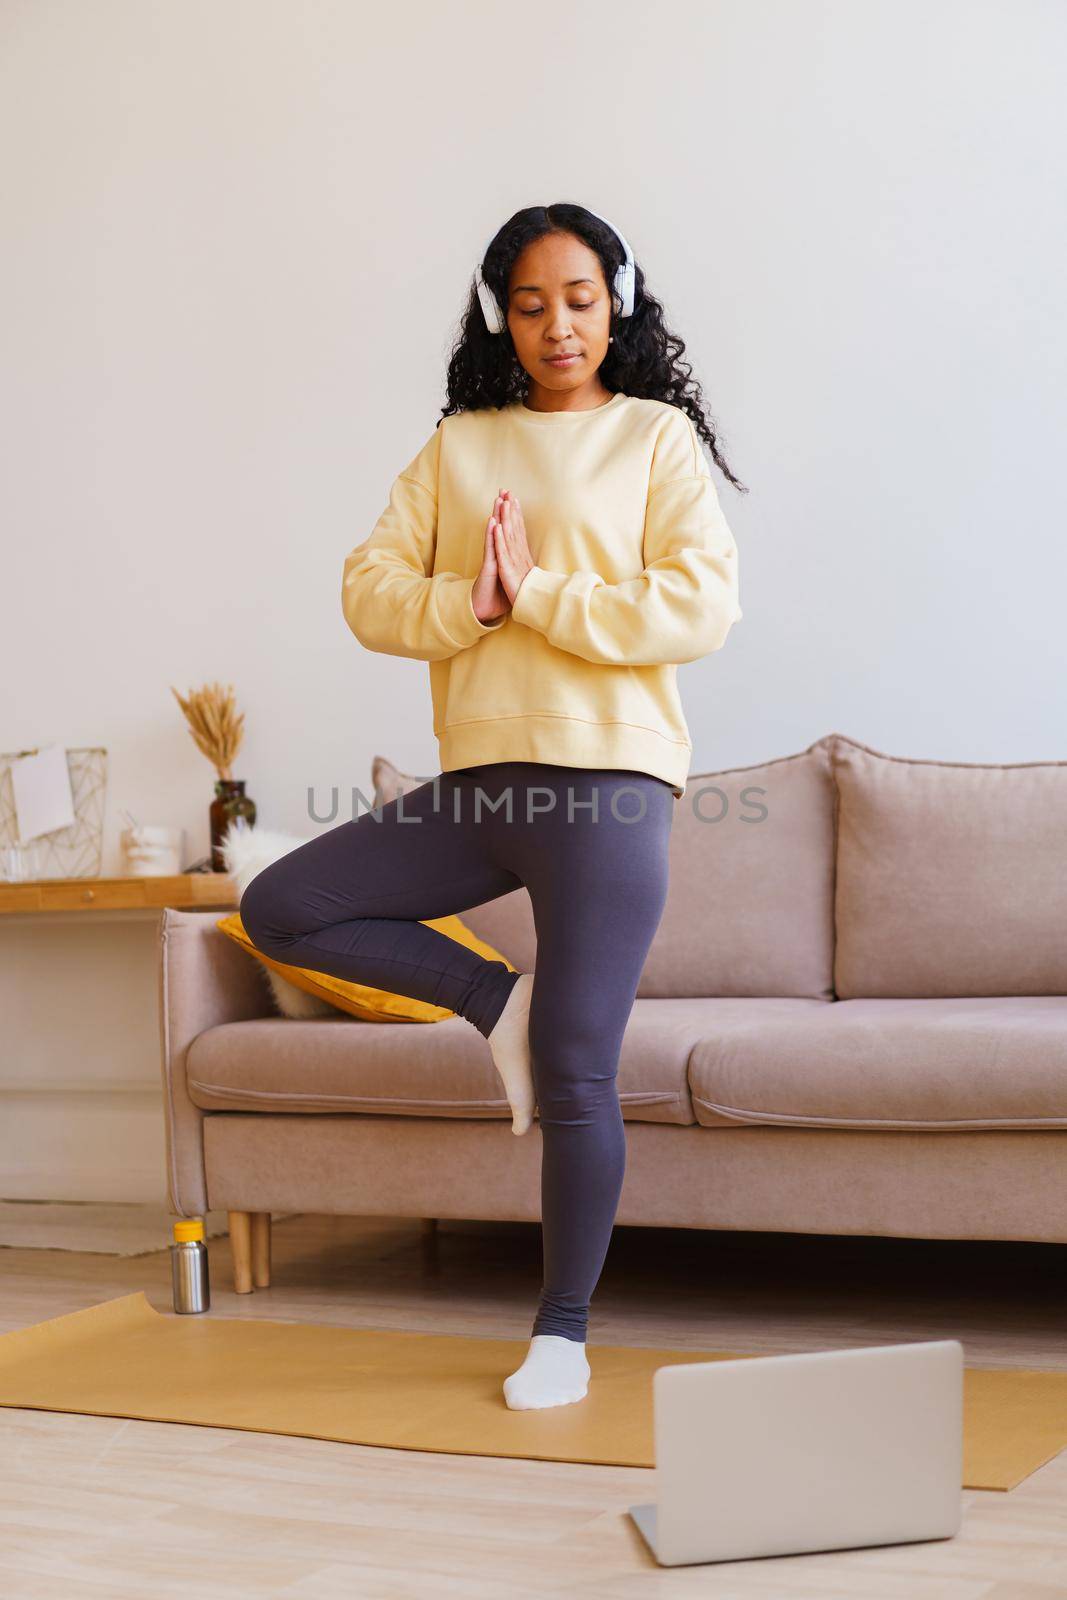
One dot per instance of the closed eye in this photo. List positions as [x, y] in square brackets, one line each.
[584, 307]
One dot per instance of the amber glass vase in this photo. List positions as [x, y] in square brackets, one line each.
[230, 804]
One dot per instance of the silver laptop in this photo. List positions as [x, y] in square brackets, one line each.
[780, 1455]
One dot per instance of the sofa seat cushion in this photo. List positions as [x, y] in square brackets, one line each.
[416, 1069]
[986, 1062]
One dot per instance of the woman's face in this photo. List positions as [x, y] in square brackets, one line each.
[558, 303]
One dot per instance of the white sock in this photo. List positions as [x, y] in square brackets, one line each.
[554, 1373]
[509, 1041]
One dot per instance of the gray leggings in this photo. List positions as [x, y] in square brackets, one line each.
[351, 902]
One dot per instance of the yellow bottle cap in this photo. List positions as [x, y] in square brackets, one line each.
[191, 1229]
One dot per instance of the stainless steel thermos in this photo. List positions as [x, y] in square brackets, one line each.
[188, 1265]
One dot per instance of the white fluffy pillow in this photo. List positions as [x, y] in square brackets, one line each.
[246, 851]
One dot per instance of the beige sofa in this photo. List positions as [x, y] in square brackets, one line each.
[853, 1019]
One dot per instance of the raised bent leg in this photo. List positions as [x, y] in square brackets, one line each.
[354, 903]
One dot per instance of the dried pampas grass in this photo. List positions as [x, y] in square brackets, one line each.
[215, 724]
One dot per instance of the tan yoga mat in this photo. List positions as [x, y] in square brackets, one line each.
[417, 1391]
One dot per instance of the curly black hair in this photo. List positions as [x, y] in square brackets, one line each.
[644, 358]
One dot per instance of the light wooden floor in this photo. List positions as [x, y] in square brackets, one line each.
[103, 1507]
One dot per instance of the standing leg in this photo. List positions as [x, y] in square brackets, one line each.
[598, 886]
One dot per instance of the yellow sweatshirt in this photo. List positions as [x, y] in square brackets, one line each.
[636, 572]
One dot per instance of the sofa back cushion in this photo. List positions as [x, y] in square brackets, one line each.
[951, 876]
[750, 904]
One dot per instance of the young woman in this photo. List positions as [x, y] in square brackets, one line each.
[553, 551]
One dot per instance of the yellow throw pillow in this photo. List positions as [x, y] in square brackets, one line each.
[371, 1005]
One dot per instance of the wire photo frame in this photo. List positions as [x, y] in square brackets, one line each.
[75, 851]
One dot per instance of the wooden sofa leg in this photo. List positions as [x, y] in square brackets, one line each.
[261, 1249]
[241, 1248]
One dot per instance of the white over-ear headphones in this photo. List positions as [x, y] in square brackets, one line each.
[625, 285]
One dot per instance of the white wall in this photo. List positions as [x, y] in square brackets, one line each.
[234, 243]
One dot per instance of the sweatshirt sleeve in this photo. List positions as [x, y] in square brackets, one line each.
[390, 601]
[684, 603]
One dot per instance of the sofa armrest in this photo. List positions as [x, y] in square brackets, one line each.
[204, 979]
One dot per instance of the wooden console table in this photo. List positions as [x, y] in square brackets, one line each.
[187, 890]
